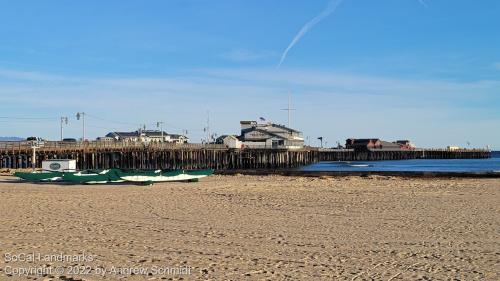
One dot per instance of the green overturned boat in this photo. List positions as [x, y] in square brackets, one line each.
[40, 176]
[164, 176]
[93, 176]
[145, 177]
[115, 176]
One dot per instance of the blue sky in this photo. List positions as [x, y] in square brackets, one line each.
[391, 68]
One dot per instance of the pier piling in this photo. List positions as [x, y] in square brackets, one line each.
[96, 155]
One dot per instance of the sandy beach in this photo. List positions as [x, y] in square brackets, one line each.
[253, 228]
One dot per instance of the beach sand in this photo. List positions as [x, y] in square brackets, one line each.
[256, 228]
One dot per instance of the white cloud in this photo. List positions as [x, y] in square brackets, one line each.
[28, 75]
[422, 2]
[330, 8]
[334, 105]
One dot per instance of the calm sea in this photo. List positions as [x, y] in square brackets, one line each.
[417, 165]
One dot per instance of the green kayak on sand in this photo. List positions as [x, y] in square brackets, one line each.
[39, 176]
[164, 176]
[116, 175]
[93, 176]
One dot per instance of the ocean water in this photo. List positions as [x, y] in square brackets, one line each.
[415, 165]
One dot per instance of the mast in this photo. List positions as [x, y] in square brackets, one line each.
[289, 109]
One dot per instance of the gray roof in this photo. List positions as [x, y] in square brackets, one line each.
[154, 133]
[364, 140]
[389, 144]
[122, 134]
[255, 124]
[176, 136]
[149, 133]
[284, 128]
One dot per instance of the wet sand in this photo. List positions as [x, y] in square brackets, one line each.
[257, 228]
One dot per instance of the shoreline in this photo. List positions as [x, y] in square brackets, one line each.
[409, 174]
[297, 173]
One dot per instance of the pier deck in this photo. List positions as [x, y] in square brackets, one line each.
[103, 155]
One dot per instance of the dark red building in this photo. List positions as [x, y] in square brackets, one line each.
[376, 144]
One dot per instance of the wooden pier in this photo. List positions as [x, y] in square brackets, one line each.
[374, 155]
[104, 155]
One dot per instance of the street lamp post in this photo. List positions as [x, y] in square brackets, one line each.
[64, 120]
[82, 116]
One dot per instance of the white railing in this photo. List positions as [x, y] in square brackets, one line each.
[56, 145]
[90, 145]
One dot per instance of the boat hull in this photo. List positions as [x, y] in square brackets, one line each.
[179, 175]
[39, 176]
[115, 176]
[92, 177]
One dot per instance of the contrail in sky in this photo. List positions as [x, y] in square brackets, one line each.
[423, 3]
[332, 6]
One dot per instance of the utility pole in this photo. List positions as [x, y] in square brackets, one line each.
[64, 120]
[82, 116]
[160, 125]
[289, 109]
[208, 127]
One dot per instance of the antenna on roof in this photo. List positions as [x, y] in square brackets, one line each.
[207, 128]
[289, 109]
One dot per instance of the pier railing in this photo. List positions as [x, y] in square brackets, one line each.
[136, 155]
[105, 145]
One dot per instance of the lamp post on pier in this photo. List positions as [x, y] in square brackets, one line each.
[64, 120]
[82, 116]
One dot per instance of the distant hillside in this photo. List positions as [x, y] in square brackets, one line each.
[11, 139]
